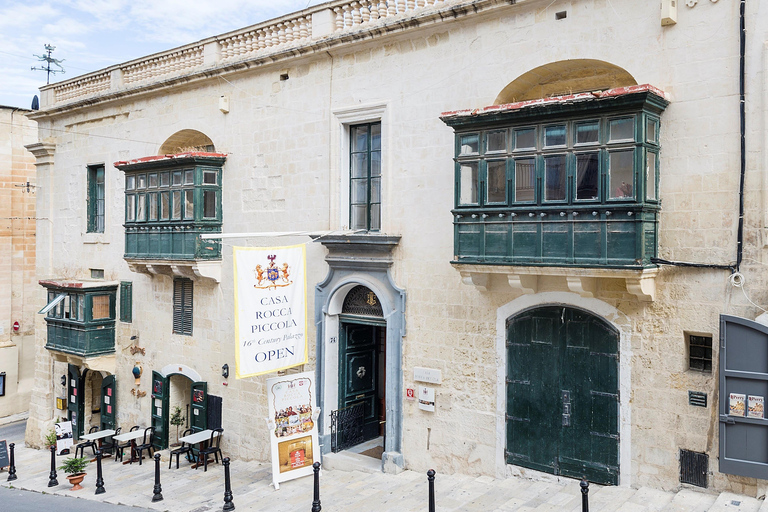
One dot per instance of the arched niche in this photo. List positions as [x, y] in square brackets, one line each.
[565, 77]
[185, 141]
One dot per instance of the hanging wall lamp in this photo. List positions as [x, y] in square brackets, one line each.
[225, 371]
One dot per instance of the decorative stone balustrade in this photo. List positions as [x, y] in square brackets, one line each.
[297, 29]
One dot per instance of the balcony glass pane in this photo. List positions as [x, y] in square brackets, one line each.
[176, 212]
[469, 144]
[176, 178]
[587, 133]
[587, 173]
[525, 139]
[189, 205]
[360, 138]
[554, 178]
[554, 135]
[141, 207]
[650, 175]
[359, 165]
[141, 181]
[209, 177]
[497, 141]
[130, 207]
[165, 179]
[525, 180]
[621, 174]
[130, 182]
[81, 308]
[497, 182]
[164, 206]
[152, 178]
[100, 307]
[209, 204]
[622, 129]
[152, 206]
[189, 177]
[468, 183]
[66, 307]
[651, 131]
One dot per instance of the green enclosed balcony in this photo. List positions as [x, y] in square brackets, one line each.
[80, 317]
[170, 200]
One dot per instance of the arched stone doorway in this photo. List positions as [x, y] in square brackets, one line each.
[563, 393]
[181, 386]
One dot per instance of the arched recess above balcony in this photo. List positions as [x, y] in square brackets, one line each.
[565, 77]
[185, 141]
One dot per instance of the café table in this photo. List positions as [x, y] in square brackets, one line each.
[131, 436]
[198, 438]
[98, 436]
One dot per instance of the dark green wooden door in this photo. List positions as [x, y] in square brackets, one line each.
[75, 399]
[199, 417]
[108, 403]
[358, 373]
[160, 402]
[562, 393]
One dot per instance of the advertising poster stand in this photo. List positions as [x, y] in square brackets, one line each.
[292, 424]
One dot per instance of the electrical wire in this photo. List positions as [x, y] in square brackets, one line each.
[738, 280]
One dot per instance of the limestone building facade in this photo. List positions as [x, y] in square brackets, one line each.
[514, 192]
[18, 287]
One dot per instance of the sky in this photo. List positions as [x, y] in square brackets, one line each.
[94, 34]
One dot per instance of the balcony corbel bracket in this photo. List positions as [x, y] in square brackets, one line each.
[479, 280]
[528, 284]
[644, 288]
[584, 286]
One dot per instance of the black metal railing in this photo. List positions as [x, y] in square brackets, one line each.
[347, 427]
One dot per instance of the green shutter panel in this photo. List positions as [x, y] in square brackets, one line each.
[126, 301]
[187, 308]
[177, 312]
[182, 306]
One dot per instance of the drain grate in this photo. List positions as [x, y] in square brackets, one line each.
[694, 467]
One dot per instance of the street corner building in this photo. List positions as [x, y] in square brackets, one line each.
[534, 233]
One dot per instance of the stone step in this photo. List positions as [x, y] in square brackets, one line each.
[730, 502]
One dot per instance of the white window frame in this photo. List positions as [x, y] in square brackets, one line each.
[348, 117]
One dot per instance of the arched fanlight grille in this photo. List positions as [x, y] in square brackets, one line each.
[362, 301]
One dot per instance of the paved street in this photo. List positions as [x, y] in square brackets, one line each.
[187, 490]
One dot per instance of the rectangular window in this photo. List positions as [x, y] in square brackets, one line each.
[699, 353]
[100, 307]
[182, 306]
[496, 182]
[152, 180]
[209, 204]
[525, 180]
[165, 179]
[554, 177]
[95, 199]
[587, 175]
[621, 174]
[141, 207]
[365, 175]
[176, 212]
[189, 204]
[126, 301]
[525, 139]
[554, 136]
[588, 132]
[650, 176]
[130, 207]
[152, 206]
[164, 206]
[497, 141]
[468, 183]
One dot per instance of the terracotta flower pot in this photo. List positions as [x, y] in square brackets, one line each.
[75, 481]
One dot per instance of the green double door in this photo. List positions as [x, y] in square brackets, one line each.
[562, 394]
[161, 393]
[359, 379]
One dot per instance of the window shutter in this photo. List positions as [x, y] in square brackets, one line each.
[126, 301]
[182, 306]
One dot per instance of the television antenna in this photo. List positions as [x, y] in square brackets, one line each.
[49, 60]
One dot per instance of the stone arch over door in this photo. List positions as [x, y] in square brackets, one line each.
[329, 301]
[614, 318]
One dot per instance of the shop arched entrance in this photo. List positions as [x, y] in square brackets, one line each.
[563, 393]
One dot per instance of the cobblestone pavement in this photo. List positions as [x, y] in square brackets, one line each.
[187, 490]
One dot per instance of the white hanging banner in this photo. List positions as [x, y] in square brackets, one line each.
[270, 309]
[292, 426]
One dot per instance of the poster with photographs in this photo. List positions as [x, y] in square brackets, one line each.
[293, 426]
[736, 404]
[63, 437]
[755, 406]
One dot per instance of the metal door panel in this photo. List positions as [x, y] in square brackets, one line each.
[199, 415]
[159, 414]
[108, 403]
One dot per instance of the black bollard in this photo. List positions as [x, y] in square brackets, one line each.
[52, 482]
[158, 496]
[99, 478]
[316, 502]
[12, 468]
[228, 503]
[431, 478]
[584, 495]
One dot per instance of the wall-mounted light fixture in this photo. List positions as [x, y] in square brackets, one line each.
[2, 383]
[63, 380]
[225, 371]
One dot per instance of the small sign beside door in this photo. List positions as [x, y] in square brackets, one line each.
[427, 399]
[430, 375]
[410, 394]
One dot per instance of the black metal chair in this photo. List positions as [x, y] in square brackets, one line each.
[184, 448]
[212, 448]
[110, 445]
[121, 447]
[92, 444]
[146, 444]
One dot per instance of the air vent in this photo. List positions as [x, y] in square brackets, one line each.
[694, 467]
[697, 398]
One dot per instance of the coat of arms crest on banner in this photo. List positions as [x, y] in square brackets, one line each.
[273, 276]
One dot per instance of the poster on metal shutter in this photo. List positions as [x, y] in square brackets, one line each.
[292, 425]
[270, 309]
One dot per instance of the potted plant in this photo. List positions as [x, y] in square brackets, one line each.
[178, 420]
[74, 467]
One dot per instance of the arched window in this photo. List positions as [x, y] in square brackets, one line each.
[362, 301]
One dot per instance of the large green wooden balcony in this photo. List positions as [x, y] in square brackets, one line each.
[171, 241]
